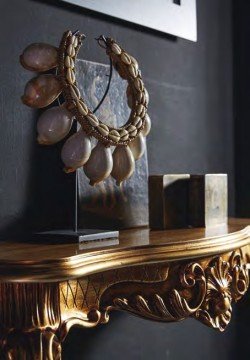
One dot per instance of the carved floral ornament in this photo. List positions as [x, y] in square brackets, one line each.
[205, 293]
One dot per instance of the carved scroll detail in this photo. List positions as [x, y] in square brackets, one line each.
[216, 309]
[171, 304]
[35, 318]
[227, 282]
[240, 275]
[204, 290]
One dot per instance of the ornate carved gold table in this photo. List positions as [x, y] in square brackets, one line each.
[161, 275]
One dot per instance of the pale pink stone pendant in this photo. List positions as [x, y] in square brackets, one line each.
[138, 146]
[76, 151]
[53, 125]
[41, 91]
[99, 165]
[123, 164]
[39, 57]
[147, 126]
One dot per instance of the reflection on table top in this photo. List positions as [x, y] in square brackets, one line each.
[136, 246]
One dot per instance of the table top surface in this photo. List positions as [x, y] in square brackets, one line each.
[25, 261]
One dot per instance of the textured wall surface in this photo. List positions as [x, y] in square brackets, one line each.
[191, 103]
[190, 87]
[242, 106]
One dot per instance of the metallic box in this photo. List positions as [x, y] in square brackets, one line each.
[183, 200]
[168, 201]
[208, 200]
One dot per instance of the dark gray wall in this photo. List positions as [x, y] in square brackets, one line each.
[242, 105]
[191, 103]
[241, 31]
[190, 86]
[127, 337]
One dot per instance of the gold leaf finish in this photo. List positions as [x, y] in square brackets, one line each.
[30, 317]
[36, 262]
[165, 280]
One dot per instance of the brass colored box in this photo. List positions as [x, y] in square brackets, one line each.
[208, 200]
[168, 201]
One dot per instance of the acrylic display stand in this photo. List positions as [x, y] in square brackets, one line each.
[87, 237]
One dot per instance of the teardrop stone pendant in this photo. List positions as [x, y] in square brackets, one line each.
[39, 57]
[138, 146]
[147, 125]
[41, 91]
[99, 165]
[76, 151]
[53, 125]
[124, 164]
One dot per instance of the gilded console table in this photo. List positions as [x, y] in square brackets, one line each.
[161, 275]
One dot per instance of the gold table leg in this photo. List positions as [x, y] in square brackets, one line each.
[29, 318]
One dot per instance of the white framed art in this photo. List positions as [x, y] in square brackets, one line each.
[175, 17]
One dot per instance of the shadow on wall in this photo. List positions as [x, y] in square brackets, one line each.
[242, 323]
[129, 337]
[49, 192]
